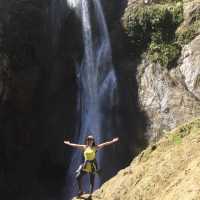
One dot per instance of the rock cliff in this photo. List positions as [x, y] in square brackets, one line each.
[168, 69]
[156, 53]
[163, 56]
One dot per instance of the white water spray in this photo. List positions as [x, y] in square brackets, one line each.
[97, 82]
[73, 3]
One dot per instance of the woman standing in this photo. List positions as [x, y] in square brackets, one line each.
[90, 165]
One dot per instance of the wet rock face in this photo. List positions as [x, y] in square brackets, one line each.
[37, 94]
[169, 96]
[164, 98]
[190, 66]
[4, 79]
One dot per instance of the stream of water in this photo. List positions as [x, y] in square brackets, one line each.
[97, 83]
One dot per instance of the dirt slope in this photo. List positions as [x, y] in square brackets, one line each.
[168, 170]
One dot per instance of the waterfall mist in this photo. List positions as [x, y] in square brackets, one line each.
[97, 87]
[60, 82]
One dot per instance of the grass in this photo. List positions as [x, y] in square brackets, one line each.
[192, 127]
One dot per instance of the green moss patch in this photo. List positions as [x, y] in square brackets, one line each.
[167, 1]
[188, 33]
[153, 28]
[180, 132]
[164, 53]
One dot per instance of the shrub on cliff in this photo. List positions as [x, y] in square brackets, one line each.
[191, 28]
[188, 33]
[153, 28]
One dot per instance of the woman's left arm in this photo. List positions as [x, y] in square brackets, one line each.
[99, 146]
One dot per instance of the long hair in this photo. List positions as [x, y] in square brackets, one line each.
[90, 137]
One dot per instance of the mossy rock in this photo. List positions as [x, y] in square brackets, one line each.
[153, 28]
[187, 33]
[182, 131]
[165, 53]
[167, 1]
[191, 26]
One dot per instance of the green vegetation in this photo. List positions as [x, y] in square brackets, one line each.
[153, 28]
[167, 1]
[179, 133]
[188, 33]
[176, 139]
[164, 53]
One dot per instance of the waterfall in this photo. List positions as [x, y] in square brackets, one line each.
[97, 83]
[73, 3]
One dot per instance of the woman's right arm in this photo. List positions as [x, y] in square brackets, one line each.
[78, 146]
[99, 146]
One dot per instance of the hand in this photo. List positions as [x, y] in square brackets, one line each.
[67, 142]
[115, 139]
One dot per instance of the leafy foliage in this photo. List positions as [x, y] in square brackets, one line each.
[188, 33]
[153, 27]
[167, 1]
[165, 54]
[182, 131]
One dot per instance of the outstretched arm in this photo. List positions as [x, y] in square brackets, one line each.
[78, 146]
[99, 146]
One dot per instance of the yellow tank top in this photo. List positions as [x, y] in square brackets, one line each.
[90, 153]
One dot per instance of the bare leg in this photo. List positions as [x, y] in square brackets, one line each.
[79, 180]
[92, 176]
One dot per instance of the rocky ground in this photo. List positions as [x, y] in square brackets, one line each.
[166, 170]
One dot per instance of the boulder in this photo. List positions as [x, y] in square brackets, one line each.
[190, 66]
[164, 98]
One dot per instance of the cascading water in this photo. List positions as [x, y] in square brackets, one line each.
[97, 83]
